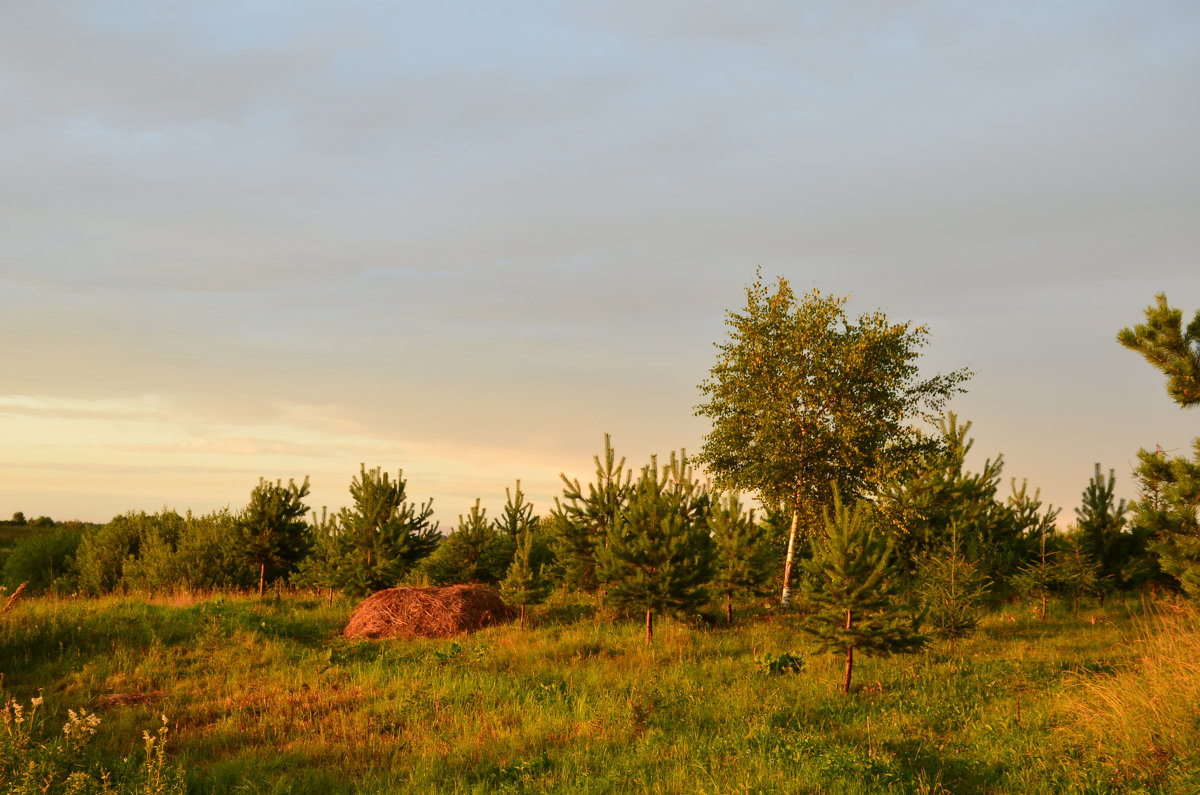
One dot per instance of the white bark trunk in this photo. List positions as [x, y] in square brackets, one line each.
[787, 566]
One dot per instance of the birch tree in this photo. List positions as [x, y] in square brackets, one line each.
[803, 399]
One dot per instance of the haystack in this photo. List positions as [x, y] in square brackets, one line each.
[427, 612]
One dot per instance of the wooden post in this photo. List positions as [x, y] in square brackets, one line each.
[649, 625]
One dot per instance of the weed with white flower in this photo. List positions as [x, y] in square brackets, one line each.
[31, 762]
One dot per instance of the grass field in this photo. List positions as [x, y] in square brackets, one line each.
[264, 696]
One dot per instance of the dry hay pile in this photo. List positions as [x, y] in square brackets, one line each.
[427, 612]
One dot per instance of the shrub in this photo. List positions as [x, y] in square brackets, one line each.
[45, 560]
[102, 552]
[772, 665]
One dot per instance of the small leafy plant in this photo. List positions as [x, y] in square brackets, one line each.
[772, 665]
[452, 651]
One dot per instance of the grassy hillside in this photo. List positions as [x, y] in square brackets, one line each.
[265, 697]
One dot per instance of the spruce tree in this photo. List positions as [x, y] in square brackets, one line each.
[745, 553]
[580, 522]
[658, 556]
[855, 587]
[272, 535]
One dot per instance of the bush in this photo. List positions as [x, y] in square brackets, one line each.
[159, 552]
[45, 560]
[102, 552]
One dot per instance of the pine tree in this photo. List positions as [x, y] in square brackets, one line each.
[1167, 345]
[941, 496]
[658, 556]
[1170, 488]
[374, 543]
[325, 565]
[1100, 519]
[744, 551]
[951, 590]
[1168, 511]
[474, 552]
[580, 524]
[524, 583]
[383, 534]
[517, 514]
[1031, 521]
[854, 585]
[271, 532]
[1040, 577]
[1076, 571]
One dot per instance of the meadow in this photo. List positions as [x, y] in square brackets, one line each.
[264, 696]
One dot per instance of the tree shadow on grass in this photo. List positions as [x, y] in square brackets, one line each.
[571, 613]
[924, 768]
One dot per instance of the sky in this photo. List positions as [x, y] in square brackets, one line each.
[283, 239]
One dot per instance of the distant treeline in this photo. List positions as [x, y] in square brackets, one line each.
[592, 538]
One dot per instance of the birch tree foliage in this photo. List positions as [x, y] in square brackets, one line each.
[803, 399]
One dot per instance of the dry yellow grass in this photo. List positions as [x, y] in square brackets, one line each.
[1146, 716]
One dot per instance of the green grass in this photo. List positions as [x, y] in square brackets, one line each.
[265, 697]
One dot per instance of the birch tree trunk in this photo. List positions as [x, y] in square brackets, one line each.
[786, 599]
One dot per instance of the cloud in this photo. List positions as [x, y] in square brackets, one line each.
[421, 234]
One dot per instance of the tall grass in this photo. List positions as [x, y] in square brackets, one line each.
[1143, 721]
[265, 696]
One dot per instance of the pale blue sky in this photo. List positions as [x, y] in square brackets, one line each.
[466, 239]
